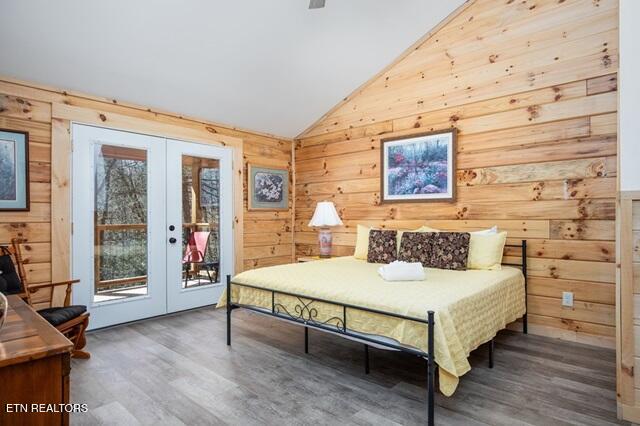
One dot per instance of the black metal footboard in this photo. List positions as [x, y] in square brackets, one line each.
[307, 315]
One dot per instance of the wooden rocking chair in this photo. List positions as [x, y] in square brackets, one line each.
[70, 320]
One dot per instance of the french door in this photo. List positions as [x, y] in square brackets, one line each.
[152, 224]
[199, 217]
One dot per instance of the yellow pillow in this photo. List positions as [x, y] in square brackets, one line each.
[362, 242]
[485, 251]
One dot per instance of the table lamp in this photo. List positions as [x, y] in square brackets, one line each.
[324, 217]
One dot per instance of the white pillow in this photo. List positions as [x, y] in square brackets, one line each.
[491, 231]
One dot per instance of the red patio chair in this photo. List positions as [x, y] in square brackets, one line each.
[195, 254]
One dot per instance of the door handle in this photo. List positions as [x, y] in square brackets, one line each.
[172, 240]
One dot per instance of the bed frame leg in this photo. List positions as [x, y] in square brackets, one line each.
[228, 310]
[366, 359]
[306, 340]
[491, 353]
[431, 364]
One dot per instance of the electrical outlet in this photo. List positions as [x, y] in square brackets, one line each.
[567, 298]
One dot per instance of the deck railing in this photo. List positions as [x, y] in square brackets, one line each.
[102, 285]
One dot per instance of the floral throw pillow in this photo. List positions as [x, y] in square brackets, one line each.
[415, 247]
[442, 250]
[382, 246]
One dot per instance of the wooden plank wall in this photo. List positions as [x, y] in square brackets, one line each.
[267, 236]
[628, 302]
[634, 236]
[531, 88]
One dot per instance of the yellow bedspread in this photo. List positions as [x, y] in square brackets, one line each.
[470, 306]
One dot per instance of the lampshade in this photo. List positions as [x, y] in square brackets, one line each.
[325, 215]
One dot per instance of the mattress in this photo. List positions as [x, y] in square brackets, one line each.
[470, 306]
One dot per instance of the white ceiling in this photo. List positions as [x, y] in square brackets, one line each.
[268, 65]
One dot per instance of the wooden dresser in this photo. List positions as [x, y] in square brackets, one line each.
[34, 368]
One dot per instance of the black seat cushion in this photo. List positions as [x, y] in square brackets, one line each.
[10, 276]
[57, 316]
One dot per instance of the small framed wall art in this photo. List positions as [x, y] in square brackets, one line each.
[14, 170]
[419, 168]
[268, 188]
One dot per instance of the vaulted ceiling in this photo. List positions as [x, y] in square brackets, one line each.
[271, 66]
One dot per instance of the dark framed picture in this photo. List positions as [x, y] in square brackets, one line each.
[268, 188]
[419, 167]
[14, 170]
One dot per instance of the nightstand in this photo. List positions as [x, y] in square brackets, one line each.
[303, 259]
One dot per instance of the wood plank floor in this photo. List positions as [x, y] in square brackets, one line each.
[177, 370]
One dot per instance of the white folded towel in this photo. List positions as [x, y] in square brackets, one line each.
[402, 271]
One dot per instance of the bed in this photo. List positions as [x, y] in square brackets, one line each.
[442, 318]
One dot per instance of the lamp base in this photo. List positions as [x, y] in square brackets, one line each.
[324, 238]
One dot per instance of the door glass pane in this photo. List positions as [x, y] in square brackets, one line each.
[200, 217]
[120, 233]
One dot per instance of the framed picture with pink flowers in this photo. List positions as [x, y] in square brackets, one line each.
[419, 167]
